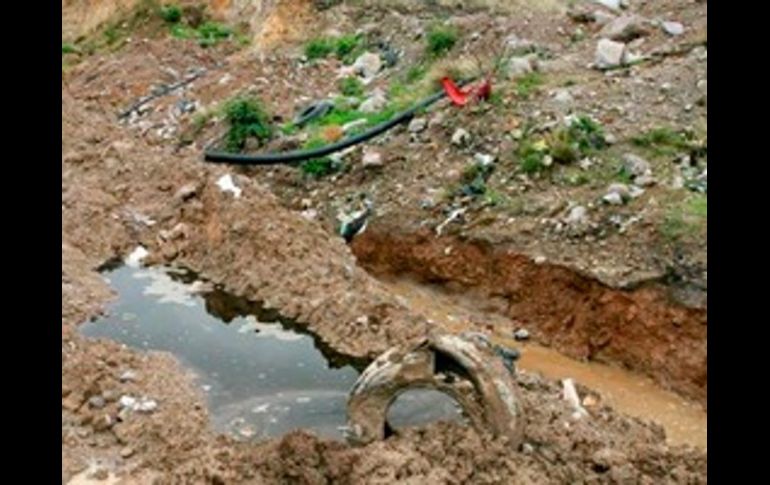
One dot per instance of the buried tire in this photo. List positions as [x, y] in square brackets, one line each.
[463, 368]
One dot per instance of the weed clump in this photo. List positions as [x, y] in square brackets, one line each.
[344, 48]
[440, 40]
[171, 13]
[247, 119]
[352, 86]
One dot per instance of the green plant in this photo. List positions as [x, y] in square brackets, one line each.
[318, 48]
[440, 40]
[352, 86]
[415, 73]
[532, 156]
[663, 141]
[210, 33]
[247, 119]
[171, 13]
[346, 47]
[528, 83]
[686, 218]
[68, 48]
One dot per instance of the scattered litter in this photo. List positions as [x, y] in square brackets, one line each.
[137, 255]
[570, 395]
[454, 215]
[226, 183]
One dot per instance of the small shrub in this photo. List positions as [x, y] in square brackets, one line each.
[210, 33]
[171, 13]
[441, 40]
[318, 167]
[352, 86]
[686, 218]
[68, 48]
[532, 156]
[345, 47]
[318, 48]
[247, 119]
[663, 141]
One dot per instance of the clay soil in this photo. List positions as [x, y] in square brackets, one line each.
[143, 182]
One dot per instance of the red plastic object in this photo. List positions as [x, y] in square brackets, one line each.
[460, 97]
[457, 95]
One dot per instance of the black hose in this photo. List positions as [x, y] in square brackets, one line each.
[300, 155]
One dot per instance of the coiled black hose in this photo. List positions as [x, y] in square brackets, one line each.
[300, 155]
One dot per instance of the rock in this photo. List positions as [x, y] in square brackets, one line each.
[609, 54]
[699, 53]
[621, 189]
[540, 259]
[186, 192]
[127, 402]
[625, 28]
[673, 28]
[610, 139]
[602, 18]
[606, 458]
[348, 127]
[374, 103]
[367, 65]
[146, 406]
[460, 137]
[645, 180]
[527, 449]
[128, 375]
[635, 165]
[577, 216]
[96, 402]
[521, 334]
[563, 96]
[518, 46]
[483, 159]
[126, 452]
[372, 159]
[417, 125]
[613, 198]
[613, 4]
[518, 66]
[635, 191]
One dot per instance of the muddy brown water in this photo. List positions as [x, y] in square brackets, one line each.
[261, 375]
[627, 392]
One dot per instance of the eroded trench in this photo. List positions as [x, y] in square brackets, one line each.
[641, 351]
[264, 375]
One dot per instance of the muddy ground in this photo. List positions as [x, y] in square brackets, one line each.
[625, 293]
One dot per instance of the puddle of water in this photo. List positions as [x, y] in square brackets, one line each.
[262, 376]
[627, 392]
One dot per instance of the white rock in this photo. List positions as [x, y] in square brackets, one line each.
[673, 28]
[577, 215]
[609, 54]
[602, 18]
[625, 28]
[571, 396]
[635, 165]
[147, 406]
[128, 375]
[483, 159]
[621, 189]
[374, 103]
[521, 334]
[613, 198]
[460, 137]
[127, 402]
[417, 125]
[372, 159]
[613, 4]
[226, 184]
[367, 65]
[563, 96]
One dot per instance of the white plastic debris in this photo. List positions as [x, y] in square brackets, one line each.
[226, 183]
[137, 255]
[570, 395]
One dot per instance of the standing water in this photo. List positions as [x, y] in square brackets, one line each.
[262, 376]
